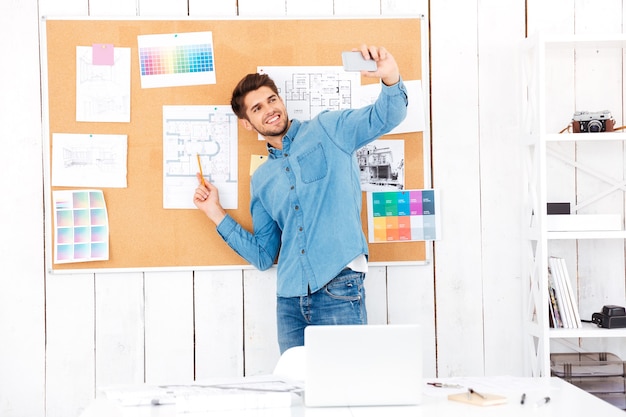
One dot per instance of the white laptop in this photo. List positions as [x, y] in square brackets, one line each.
[363, 365]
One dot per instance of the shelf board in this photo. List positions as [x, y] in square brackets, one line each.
[591, 234]
[589, 330]
[581, 137]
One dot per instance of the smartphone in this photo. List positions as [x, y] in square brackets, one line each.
[354, 61]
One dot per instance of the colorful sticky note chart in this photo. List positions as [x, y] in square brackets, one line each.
[81, 226]
[403, 216]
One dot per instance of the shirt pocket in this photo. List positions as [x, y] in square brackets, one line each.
[313, 165]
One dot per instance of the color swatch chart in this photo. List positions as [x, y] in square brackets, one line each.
[81, 226]
[409, 215]
[170, 60]
[176, 59]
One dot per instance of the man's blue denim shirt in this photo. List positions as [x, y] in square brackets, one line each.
[306, 198]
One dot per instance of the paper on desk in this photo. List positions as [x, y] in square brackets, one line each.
[222, 395]
[139, 395]
[234, 396]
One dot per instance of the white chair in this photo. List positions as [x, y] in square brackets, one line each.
[292, 364]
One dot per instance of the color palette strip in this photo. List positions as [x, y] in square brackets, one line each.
[397, 216]
[176, 59]
[81, 226]
[180, 59]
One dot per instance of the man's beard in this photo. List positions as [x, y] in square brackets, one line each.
[272, 133]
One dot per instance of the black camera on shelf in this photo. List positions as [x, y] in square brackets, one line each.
[612, 317]
[589, 122]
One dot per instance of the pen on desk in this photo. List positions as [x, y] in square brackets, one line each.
[523, 400]
[200, 167]
[444, 385]
[471, 391]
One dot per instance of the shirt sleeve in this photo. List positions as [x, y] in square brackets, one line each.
[354, 128]
[259, 249]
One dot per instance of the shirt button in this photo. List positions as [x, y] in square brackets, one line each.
[302, 251]
[286, 154]
[300, 228]
[292, 187]
[287, 169]
[297, 207]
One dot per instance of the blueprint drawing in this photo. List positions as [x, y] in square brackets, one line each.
[307, 91]
[211, 133]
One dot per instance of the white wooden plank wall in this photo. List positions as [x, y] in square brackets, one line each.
[500, 165]
[119, 328]
[65, 334]
[218, 317]
[455, 132]
[70, 353]
[22, 315]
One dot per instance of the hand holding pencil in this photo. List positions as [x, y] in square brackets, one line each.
[206, 198]
[202, 182]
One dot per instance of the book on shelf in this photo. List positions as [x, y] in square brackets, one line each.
[555, 316]
[559, 306]
[562, 300]
[573, 303]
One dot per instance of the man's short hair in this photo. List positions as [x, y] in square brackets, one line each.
[250, 82]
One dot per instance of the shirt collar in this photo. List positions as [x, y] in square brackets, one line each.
[287, 141]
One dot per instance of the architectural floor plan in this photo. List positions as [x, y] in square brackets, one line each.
[207, 131]
[309, 90]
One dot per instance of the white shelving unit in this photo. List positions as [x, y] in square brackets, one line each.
[540, 133]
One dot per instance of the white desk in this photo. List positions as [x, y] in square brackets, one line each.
[566, 400]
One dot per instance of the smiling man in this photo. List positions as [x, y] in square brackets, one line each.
[306, 199]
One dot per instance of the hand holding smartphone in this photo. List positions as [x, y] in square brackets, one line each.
[354, 61]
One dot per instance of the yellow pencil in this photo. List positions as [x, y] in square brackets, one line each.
[201, 174]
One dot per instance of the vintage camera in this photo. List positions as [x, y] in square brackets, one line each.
[586, 122]
[612, 317]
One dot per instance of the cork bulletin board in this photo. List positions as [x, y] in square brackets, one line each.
[142, 234]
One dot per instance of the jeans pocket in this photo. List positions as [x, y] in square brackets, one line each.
[346, 287]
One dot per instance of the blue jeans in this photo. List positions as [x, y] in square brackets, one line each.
[341, 301]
